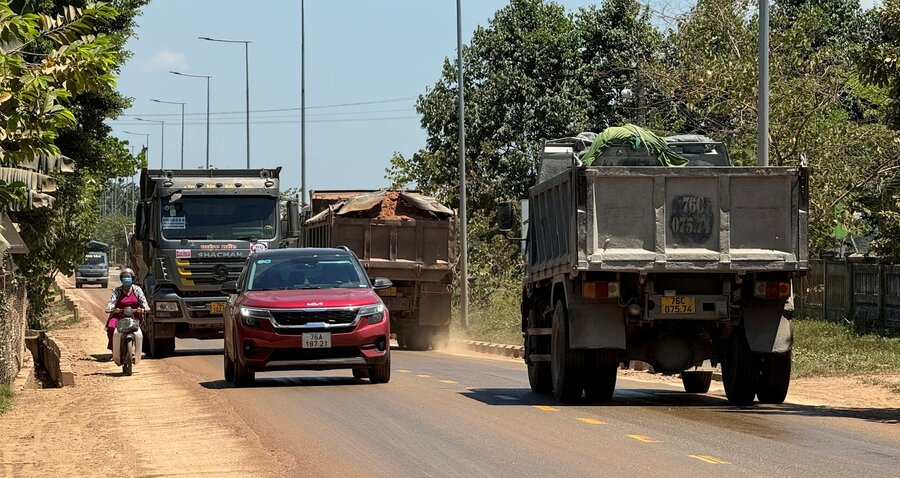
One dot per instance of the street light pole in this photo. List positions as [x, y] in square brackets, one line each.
[182, 124]
[247, 83]
[162, 149]
[762, 139]
[146, 141]
[464, 256]
[303, 102]
[207, 106]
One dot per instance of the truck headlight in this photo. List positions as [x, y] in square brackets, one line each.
[372, 313]
[167, 306]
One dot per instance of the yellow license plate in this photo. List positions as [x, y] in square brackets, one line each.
[678, 305]
[217, 307]
[389, 292]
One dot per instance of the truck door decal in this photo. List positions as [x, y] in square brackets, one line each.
[691, 219]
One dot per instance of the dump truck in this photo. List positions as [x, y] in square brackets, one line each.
[193, 232]
[404, 236]
[684, 267]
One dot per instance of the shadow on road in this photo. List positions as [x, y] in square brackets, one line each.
[196, 352]
[276, 382]
[675, 400]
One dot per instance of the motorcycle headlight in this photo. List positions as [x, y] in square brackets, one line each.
[167, 306]
[251, 317]
[372, 313]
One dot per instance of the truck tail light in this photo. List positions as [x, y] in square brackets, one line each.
[772, 289]
[600, 290]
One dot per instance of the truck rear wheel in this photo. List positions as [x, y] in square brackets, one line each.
[162, 348]
[774, 377]
[696, 382]
[419, 338]
[539, 377]
[565, 364]
[600, 381]
[739, 370]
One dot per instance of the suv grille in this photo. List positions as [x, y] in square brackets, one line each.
[289, 318]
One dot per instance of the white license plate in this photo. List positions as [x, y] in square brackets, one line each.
[317, 340]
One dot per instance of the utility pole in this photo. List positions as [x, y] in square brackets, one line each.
[464, 246]
[762, 140]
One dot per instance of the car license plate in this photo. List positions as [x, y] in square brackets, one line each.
[217, 307]
[317, 340]
[389, 292]
[678, 305]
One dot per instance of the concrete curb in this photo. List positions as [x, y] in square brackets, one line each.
[52, 357]
[68, 302]
[518, 351]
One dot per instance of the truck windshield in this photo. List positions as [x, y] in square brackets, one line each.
[94, 259]
[218, 217]
[328, 272]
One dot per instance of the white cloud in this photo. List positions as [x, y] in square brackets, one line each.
[166, 60]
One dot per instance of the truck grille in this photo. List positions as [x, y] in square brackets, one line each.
[209, 271]
[288, 318]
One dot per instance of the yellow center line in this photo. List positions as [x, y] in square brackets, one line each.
[710, 459]
[448, 381]
[546, 408]
[403, 371]
[423, 376]
[644, 438]
[591, 421]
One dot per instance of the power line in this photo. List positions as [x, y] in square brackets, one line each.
[340, 120]
[271, 110]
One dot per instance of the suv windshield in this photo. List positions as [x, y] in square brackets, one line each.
[218, 217]
[314, 272]
[94, 260]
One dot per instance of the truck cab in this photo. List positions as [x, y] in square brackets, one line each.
[194, 231]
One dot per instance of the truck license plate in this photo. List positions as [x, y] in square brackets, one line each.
[217, 307]
[389, 292]
[678, 305]
[317, 340]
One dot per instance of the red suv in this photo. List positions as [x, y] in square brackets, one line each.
[306, 309]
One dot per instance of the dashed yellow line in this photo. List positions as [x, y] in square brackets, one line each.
[423, 376]
[644, 438]
[710, 459]
[591, 421]
[546, 408]
[449, 381]
[402, 371]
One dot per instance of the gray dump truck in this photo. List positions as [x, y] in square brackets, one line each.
[194, 230]
[404, 236]
[679, 267]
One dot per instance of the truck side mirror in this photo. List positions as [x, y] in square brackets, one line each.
[505, 217]
[140, 226]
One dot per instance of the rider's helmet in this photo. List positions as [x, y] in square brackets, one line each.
[126, 272]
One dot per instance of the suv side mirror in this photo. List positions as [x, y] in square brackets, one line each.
[230, 287]
[505, 217]
[381, 283]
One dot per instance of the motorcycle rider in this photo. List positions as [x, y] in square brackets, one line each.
[126, 295]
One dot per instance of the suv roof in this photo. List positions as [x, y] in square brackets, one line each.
[305, 252]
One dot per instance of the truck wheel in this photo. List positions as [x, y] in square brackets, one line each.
[600, 382]
[78, 285]
[229, 368]
[401, 338]
[419, 338]
[739, 370]
[539, 377]
[774, 377]
[162, 348]
[105, 285]
[381, 373]
[565, 364]
[696, 382]
[360, 373]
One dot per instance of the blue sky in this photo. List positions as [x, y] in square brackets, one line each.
[383, 52]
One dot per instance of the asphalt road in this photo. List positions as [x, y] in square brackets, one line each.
[444, 414]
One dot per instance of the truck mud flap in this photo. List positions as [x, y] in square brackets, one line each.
[592, 324]
[434, 304]
[767, 328]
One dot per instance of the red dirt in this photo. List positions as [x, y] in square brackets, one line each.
[389, 206]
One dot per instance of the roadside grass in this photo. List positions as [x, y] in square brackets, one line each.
[58, 316]
[833, 349]
[495, 320]
[6, 396]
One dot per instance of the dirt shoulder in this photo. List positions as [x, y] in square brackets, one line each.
[150, 424]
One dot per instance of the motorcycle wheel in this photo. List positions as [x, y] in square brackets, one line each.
[128, 359]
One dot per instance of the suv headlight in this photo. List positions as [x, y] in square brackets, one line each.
[251, 317]
[372, 313]
[167, 306]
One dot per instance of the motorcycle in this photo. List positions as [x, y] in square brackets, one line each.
[127, 341]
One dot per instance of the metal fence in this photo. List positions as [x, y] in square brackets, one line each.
[13, 323]
[858, 290]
